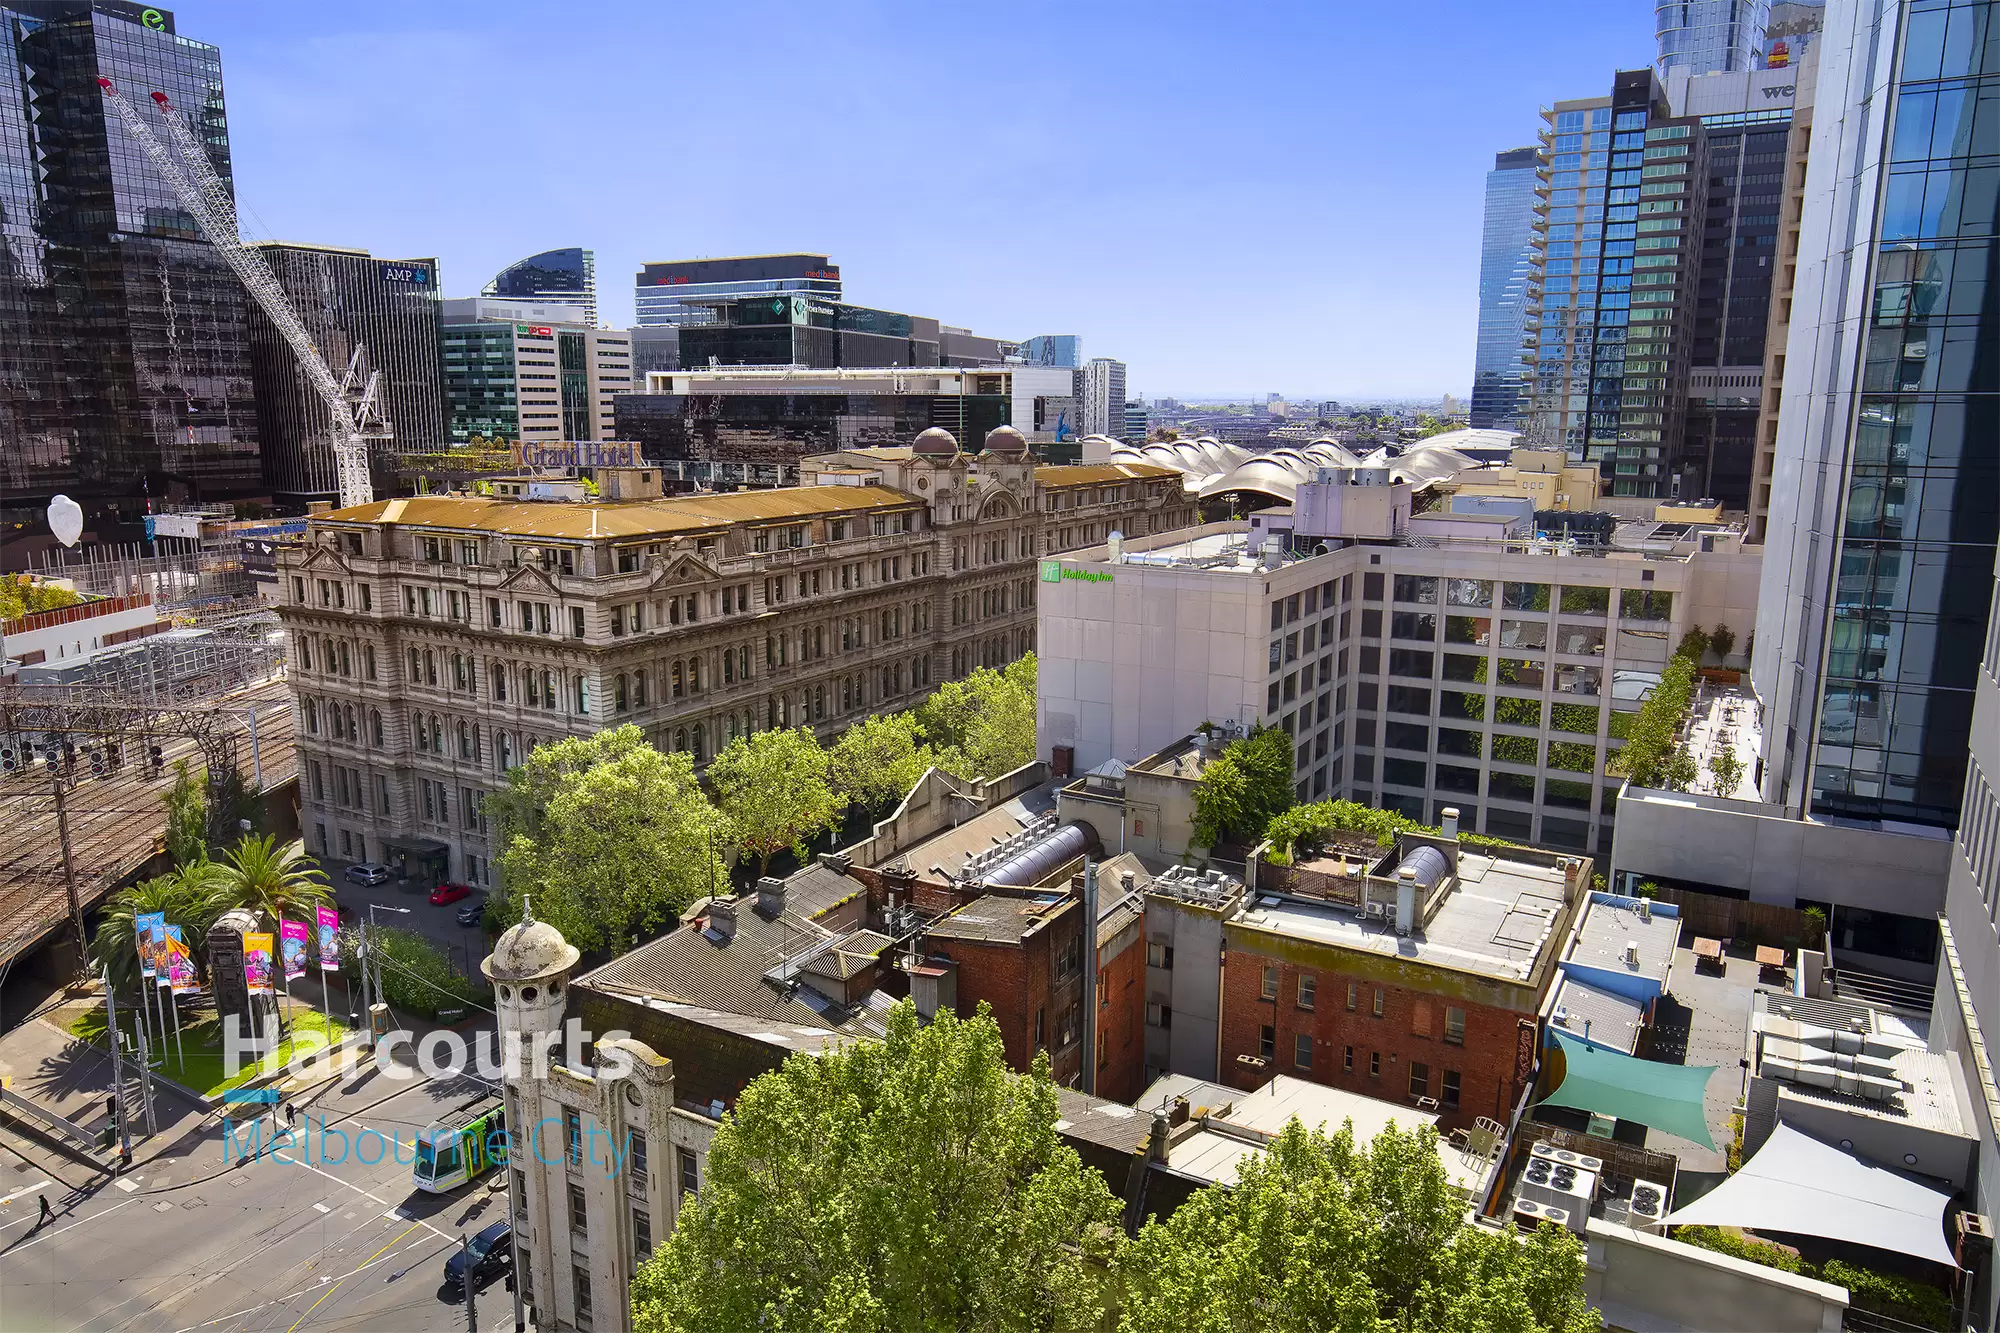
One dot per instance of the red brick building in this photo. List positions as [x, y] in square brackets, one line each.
[1442, 1013]
[1021, 952]
[1121, 981]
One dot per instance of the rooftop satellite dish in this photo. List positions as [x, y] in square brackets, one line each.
[66, 519]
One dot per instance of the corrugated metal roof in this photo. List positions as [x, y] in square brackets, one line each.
[633, 518]
[1088, 474]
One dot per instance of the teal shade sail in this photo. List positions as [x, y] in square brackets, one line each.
[1660, 1096]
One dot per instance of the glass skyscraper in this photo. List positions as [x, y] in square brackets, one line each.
[1710, 36]
[685, 291]
[1505, 250]
[124, 337]
[1054, 349]
[553, 277]
[1878, 576]
[1611, 283]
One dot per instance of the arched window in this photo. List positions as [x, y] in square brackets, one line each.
[353, 732]
[679, 683]
[620, 698]
[430, 667]
[640, 685]
[499, 674]
[375, 726]
[437, 734]
[464, 741]
[698, 745]
[680, 738]
[312, 716]
[548, 688]
[694, 675]
[416, 668]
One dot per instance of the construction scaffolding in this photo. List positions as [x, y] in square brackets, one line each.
[191, 579]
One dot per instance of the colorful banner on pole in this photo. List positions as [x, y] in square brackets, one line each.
[292, 936]
[179, 963]
[149, 934]
[259, 948]
[329, 948]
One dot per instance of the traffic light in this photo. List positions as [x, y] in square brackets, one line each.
[100, 764]
[158, 758]
[10, 759]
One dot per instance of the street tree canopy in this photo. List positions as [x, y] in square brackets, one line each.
[877, 760]
[774, 791]
[610, 836]
[1320, 1235]
[914, 1183]
[982, 726]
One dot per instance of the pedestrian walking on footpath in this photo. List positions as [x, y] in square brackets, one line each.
[48, 1214]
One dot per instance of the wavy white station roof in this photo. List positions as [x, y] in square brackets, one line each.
[1211, 467]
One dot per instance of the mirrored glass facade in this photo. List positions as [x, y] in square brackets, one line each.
[1710, 36]
[567, 276]
[1505, 250]
[1913, 565]
[124, 338]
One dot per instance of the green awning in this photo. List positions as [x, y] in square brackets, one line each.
[1660, 1096]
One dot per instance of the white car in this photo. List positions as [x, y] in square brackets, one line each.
[368, 872]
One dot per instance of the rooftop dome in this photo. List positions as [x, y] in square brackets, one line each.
[529, 951]
[1006, 440]
[936, 440]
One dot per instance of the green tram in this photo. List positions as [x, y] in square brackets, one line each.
[464, 1144]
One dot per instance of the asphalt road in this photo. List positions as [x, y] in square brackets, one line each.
[199, 1243]
[464, 945]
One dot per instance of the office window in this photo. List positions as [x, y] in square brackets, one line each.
[690, 1171]
[1449, 1101]
[1378, 1002]
[1352, 992]
[1160, 1016]
[1270, 983]
[573, 1137]
[1454, 1025]
[1302, 1050]
[1374, 1064]
[1308, 984]
[1160, 955]
[1347, 1060]
[636, 1160]
[579, 1220]
[1420, 1079]
[581, 1277]
[642, 1234]
[1267, 1041]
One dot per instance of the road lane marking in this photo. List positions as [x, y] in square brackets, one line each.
[336, 1286]
[24, 1192]
[292, 1296]
[29, 1244]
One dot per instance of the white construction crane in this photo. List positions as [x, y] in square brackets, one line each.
[350, 399]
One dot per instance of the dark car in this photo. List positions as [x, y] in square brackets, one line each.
[472, 913]
[492, 1253]
[449, 893]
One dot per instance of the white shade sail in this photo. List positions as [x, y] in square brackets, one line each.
[1796, 1183]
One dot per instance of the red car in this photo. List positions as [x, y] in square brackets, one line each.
[450, 893]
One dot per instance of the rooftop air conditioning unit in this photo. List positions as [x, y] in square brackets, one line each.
[1527, 1214]
[1631, 953]
[1562, 1217]
[1648, 1206]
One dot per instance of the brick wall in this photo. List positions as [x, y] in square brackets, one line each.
[1121, 1016]
[1410, 1031]
[710, 1064]
[1018, 980]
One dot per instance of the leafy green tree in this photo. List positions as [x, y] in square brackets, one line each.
[1725, 771]
[187, 817]
[773, 789]
[1693, 645]
[982, 726]
[259, 875]
[610, 836]
[1720, 640]
[1678, 771]
[910, 1184]
[1241, 791]
[1322, 1235]
[417, 977]
[876, 761]
[186, 894]
[23, 594]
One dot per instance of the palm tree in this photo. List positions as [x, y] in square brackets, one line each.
[258, 875]
[186, 894]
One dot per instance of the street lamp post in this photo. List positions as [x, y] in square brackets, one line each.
[371, 959]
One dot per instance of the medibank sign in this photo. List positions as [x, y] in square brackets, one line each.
[1055, 571]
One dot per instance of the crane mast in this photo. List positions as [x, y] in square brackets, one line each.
[350, 398]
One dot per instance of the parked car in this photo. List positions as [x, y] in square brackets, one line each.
[449, 893]
[370, 873]
[473, 912]
[492, 1255]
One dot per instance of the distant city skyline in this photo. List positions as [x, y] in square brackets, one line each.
[1342, 202]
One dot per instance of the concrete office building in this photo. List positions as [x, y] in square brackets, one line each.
[1473, 666]
[1607, 329]
[1103, 395]
[1054, 349]
[754, 425]
[124, 337]
[351, 302]
[506, 380]
[566, 278]
[1504, 256]
[1710, 36]
[680, 291]
[1133, 422]
[436, 640]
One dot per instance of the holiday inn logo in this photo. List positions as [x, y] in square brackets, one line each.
[1054, 571]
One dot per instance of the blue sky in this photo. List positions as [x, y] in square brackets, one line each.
[1233, 199]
